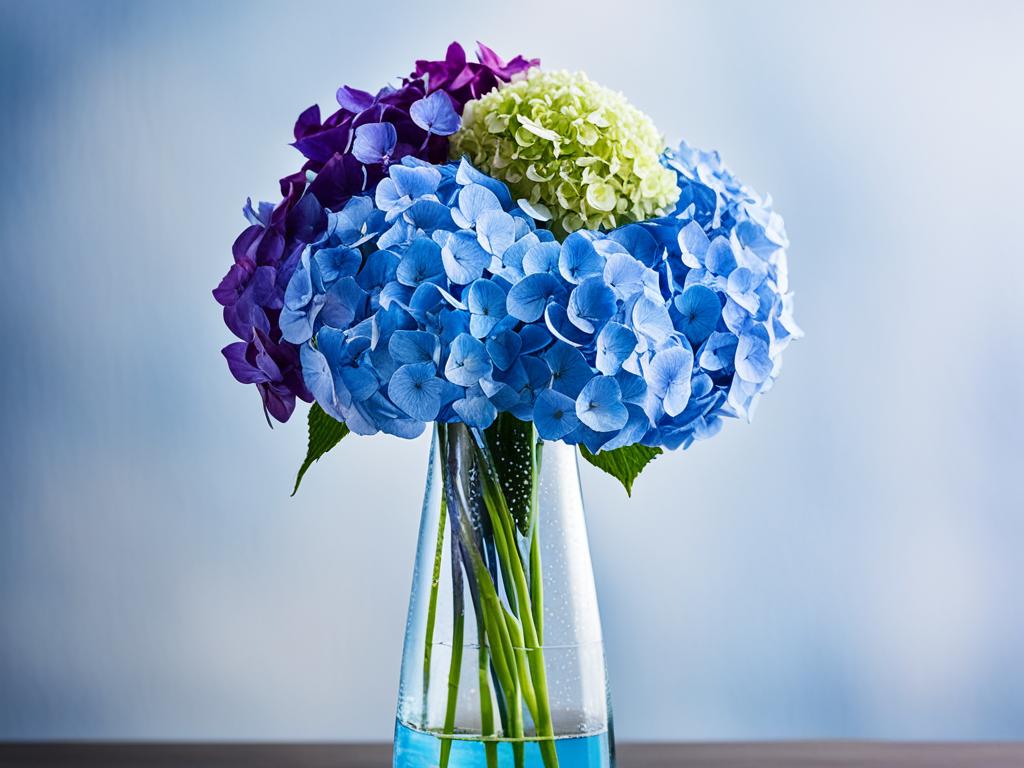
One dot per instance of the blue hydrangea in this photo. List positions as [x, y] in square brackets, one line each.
[442, 298]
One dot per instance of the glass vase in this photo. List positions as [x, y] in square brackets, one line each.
[503, 662]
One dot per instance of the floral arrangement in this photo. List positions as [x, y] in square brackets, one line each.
[515, 257]
[489, 240]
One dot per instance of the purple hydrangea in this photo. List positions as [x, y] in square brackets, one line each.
[347, 154]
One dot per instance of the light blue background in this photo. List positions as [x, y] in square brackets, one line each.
[848, 566]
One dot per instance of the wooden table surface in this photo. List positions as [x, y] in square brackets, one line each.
[650, 755]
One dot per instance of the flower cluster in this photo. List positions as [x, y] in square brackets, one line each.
[570, 147]
[346, 154]
[565, 269]
[441, 300]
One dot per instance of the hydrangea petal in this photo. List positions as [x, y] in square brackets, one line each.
[554, 415]
[415, 389]
[463, 258]
[600, 407]
[413, 347]
[486, 302]
[668, 376]
[435, 114]
[374, 143]
[569, 369]
[753, 363]
[528, 298]
[591, 303]
[468, 361]
[578, 259]
[699, 309]
[615, 343]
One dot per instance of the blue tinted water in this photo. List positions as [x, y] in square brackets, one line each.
[418, 749]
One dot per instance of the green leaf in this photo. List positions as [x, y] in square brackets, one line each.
[324, 433]
[625, 464]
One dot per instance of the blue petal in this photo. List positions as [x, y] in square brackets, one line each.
[414, 181]
[614, 344]
[428, 215]
[753, 362]
[486, 301]
[528, 298]
[453, 323]
[720, 258]
[467, 175]
[633, 387]
[379, 270]
[693, 245]
[556, 318]
[591, 303]
[496, 232]
[699, 309]
[668, 376]
[414, 347]
[343, 303]
[467, 361]
[476, 411]
[300, 288]
[316, 373]
[297, 324]
[474, 199]
[504, 348]
[464, 260]
[638, 242]
[390, 419]
[435, 114]
[651, 318]
[374, 143]
[578, 259]
[534, 338]
[554, 415]
[736, 318]
[742, 288]
[743, 397]
[420, 263]
[599, 406]
[636, 427]
[499, 393]
[542, 258]
[331, 264]
[512, 258]
[416, 390]
[584, 435]
[624, 274]
[569, 369]
[394, 293]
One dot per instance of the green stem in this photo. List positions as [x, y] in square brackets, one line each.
[454, 671]
[486, 705]
[536, 575]
[435, 580]
[501, 522]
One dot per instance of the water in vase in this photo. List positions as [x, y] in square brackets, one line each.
[416, 749]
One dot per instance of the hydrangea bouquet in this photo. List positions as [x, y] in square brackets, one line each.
[515, 256]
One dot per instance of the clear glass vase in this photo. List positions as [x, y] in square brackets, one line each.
[504, 661]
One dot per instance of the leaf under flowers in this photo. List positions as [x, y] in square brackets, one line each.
[324, 433]
[624, 464]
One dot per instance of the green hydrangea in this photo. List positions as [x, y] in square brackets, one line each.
[577, 148]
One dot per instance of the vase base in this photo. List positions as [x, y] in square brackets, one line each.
[420, 749]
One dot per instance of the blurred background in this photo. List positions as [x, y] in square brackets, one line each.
[848, 566]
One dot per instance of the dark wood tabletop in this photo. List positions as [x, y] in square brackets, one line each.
[649, 755]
